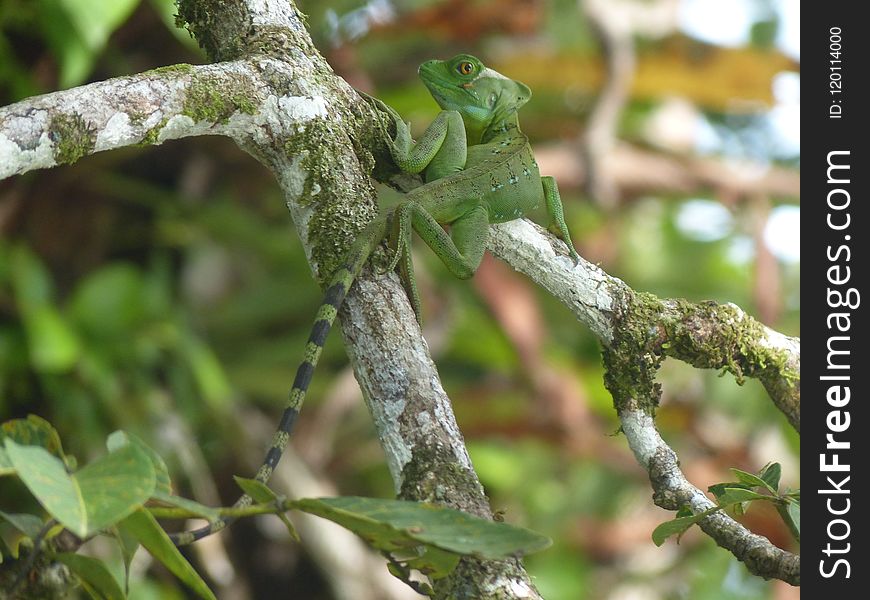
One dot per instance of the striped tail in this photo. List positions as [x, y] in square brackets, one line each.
[341, 281]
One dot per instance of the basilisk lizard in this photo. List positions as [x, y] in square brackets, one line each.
[478, 168]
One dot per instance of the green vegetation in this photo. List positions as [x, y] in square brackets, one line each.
[108, 496]
[162, 291]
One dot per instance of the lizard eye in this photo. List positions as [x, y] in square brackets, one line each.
[465, 68]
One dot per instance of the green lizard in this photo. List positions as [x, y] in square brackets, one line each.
[479, 169]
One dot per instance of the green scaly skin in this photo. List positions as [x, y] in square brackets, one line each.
[479, 169]
[478, 166]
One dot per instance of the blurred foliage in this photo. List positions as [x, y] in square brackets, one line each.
[115, 495]
[163, 291]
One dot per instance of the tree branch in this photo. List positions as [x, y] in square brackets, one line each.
[705, 335]
[616, 39]
[638, 172]
[414, 420]
[672, 491]
[638, 331]
[234, 99]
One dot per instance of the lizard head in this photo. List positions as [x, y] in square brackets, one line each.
[481, 95]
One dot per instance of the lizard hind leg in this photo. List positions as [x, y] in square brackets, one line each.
[409, 282]
[400, 245]
[400, 234]
[461, 250]
[557, 215]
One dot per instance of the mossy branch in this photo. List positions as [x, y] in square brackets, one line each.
[637, 332]
[144, 109]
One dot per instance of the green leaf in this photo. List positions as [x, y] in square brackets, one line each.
[115, 485]
[29, 525]
[95, 20]
[790, 511]
[263, 494]
[752, 480]
[94, 573]
[95, 497]
[6, 467]
[55, 530]
[771, 474]
[402, 572]
[46, 478]
[718, 489]
[167, 9]
[738, 495]
[434, 562]
[118, 439]
[794, 512]
[200, 510]
[391, 525]
[676, 526]
[52, 345]
[30, 279]
[128, 545]
[33, 431]
[257, 490]
[5, 550]
[207, 371]
[142, 526]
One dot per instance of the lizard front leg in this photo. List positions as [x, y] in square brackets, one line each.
[441, 150]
